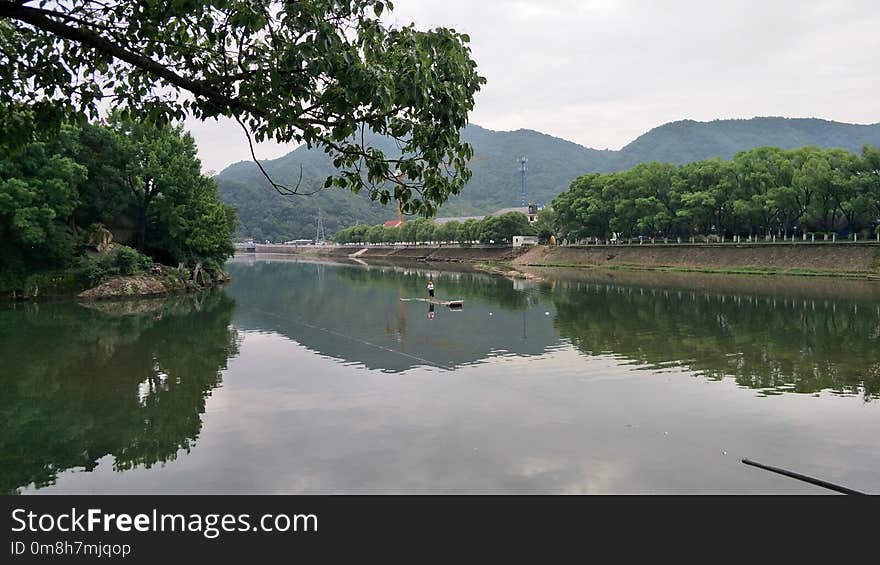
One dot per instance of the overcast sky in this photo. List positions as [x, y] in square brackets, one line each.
[602, 72]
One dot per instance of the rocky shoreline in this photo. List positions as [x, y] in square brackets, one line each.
[140, 286]
[118, 287]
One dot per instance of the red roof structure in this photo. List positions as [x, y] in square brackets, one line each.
[393, 224]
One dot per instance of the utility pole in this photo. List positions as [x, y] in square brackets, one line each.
[522, 170]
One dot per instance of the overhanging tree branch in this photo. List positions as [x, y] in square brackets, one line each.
[40, 20]
[310, 71]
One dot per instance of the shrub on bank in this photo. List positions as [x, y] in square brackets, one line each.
[130, 262]
[90, 270]
[211, 266]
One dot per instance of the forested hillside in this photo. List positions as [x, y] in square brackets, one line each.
[264, 214]
[687, 141]
[553, 164]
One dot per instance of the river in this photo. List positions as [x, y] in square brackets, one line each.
[305, 377]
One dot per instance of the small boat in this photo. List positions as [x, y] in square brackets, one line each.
[449, 303]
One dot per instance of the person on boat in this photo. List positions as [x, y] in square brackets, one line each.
[431, 287]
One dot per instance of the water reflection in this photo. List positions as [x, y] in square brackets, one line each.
[355, 313]
[126, 379]
[580, 383]
[791, 336]
[772, 343]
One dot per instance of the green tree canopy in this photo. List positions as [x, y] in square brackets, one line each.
[141, 181]
[502, 228]
[546, 224]
[176, 209]
[764, 191]
[39, 192]
[498, 229]
[450, 231]
[470, 230]
[318, 72]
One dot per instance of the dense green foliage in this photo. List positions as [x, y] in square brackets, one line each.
[495, 184]
[89, 270]
[141, 182]
[38, 195]
[763, 191]
[315, 72]
[491, 229]
[177, 214]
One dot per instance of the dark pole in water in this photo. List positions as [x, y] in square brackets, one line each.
[798, 476]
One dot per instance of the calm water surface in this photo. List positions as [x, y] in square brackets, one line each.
[316, 378]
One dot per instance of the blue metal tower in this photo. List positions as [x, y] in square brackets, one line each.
[522, 170]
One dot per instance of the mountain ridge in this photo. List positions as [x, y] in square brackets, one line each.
[553, 163]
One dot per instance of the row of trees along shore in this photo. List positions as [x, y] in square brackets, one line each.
[65, 191]
[764, 191]
[491, 229]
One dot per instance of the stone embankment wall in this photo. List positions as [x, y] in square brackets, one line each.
[841, 257]
[789, 257]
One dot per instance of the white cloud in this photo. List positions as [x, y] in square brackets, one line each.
[602, 72]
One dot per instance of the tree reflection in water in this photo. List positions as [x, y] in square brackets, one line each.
[126, 379]
[773, 343]
[775, 335]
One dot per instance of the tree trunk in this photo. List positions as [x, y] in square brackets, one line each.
[142, 228]
[198, 275]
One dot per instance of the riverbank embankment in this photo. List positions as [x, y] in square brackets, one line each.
[451, 253]
[850, 260]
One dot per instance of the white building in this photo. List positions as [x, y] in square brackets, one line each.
[520, 240]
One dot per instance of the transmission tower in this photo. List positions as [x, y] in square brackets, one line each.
[522, 171]
[319, 235]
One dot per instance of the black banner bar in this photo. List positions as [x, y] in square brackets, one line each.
[154, 529]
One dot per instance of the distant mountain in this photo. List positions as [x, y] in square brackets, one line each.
[686, 141]
[264, 214]
[552, 164]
